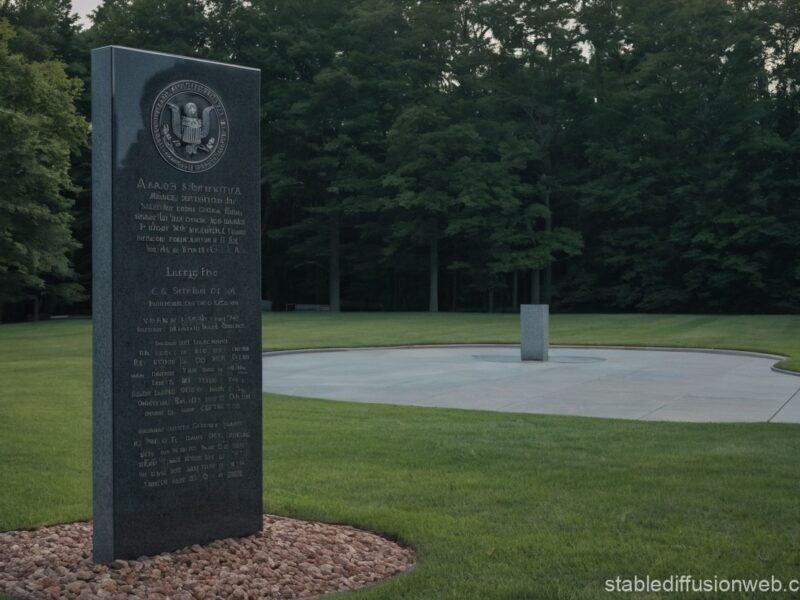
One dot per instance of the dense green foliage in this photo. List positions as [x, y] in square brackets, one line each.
[40, 129]
[471, 154]
[498, 506]
[691, 158]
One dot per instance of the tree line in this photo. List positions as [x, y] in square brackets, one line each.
[612, 155]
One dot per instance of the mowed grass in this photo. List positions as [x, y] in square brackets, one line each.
[498, 506]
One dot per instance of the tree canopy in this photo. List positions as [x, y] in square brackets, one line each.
[40, 128]
[473, 154]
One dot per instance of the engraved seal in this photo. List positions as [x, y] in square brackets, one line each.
[189, 126]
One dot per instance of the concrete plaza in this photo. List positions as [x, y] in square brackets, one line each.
[656, 385]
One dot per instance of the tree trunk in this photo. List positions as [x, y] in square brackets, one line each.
[395, 290]
[334, 299]
[455, 290]
[36, 307]
[433, 269]
[548, 226]
[515, 292]
[536, 295]
[491, 301]
[547, 291]
[266, 281]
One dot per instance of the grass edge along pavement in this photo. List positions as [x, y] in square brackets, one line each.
[498, 506]
[772, 334]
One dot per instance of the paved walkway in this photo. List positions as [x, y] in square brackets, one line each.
[624, 384]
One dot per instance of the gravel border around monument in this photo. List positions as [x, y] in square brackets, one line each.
[288, 559]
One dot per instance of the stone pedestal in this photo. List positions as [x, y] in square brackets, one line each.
[534, 331]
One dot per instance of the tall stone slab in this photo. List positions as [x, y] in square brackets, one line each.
[534, 331]
[176, 302]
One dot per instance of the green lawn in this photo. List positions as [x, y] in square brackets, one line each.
[499, 506]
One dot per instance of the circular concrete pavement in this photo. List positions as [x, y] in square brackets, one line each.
[655, 385]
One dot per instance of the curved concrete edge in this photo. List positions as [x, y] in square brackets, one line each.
[401, 347]
[776, 357]
[785, 371]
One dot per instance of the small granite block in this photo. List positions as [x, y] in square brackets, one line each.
[534, 331]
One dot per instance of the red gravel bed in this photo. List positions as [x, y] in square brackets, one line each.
[288, 559]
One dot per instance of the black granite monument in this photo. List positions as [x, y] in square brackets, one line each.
[176, 302]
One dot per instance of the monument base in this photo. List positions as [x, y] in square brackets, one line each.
[320, 559]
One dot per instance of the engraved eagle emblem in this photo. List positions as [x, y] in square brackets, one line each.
[189, 129]
[189, 126]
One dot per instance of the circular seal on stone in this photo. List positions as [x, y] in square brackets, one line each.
[189, 126]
